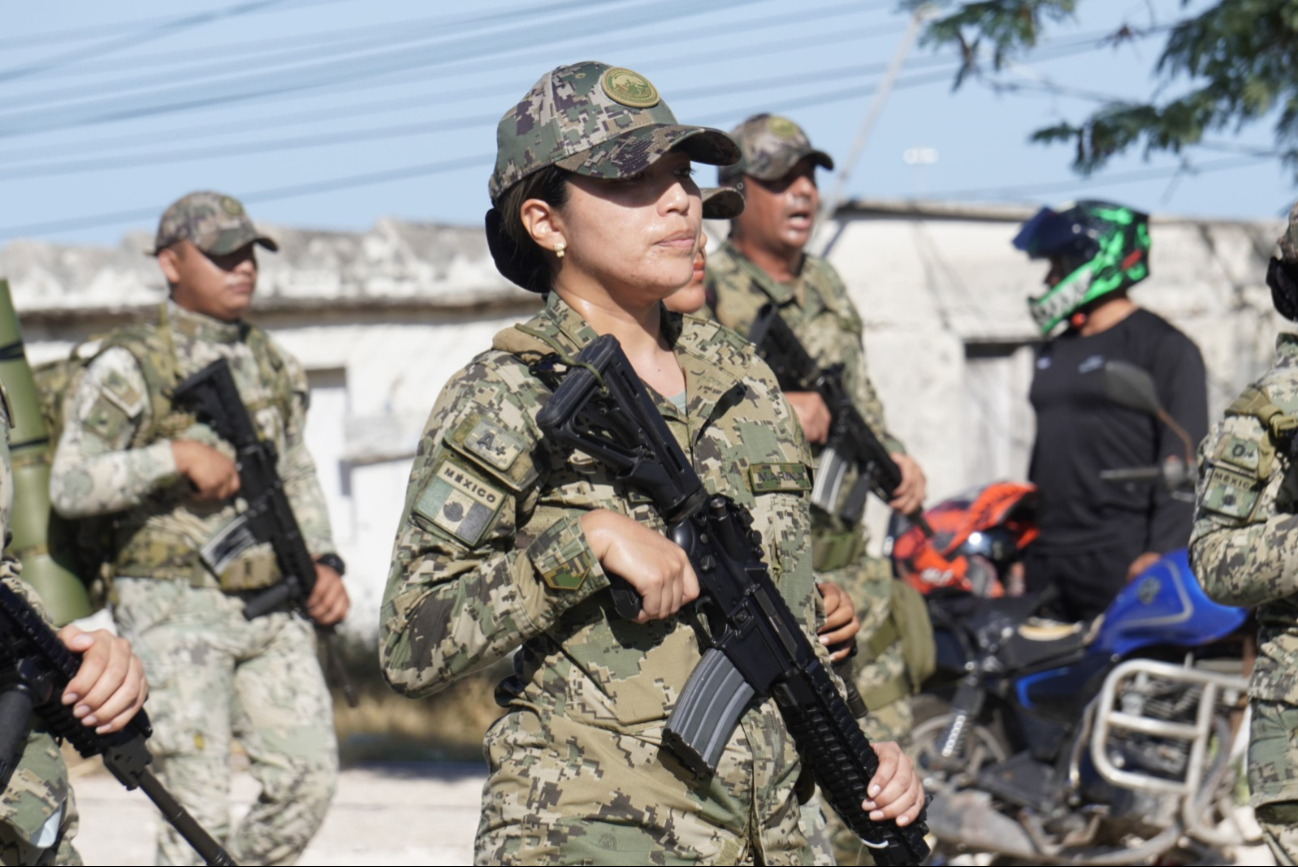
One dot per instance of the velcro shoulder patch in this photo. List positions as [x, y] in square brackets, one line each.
[769, 478]
[459, 500]
[1235, 477]
[501, 452]
[119, 390]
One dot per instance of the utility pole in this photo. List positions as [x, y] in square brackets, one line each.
[830, 203]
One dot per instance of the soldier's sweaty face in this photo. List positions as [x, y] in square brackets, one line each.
[220, 286]
[778, 215]
[631, 240]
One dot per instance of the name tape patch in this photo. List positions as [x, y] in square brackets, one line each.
[766, 478]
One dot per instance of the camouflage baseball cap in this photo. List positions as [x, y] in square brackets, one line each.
[596, 120]
[212, 222]
[722, 203]
[771, 145]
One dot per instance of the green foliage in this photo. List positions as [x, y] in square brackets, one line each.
[1239, 58]
[1009, 26]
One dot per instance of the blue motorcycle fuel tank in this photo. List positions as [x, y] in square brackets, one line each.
[1164, 606]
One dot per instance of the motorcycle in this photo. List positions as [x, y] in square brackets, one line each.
[1113, 741]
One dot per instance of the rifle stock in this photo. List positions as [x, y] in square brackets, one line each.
[851, 441]
[214, 398]
[35, 669]
[757, 646]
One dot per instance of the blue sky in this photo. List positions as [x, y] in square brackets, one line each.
[334, 113]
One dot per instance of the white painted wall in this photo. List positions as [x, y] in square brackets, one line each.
[382, 319]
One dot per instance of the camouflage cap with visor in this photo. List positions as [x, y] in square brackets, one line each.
[771, 146]
[722, 203]
[596, 120]
[212, 222]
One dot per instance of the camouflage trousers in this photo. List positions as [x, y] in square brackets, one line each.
[831, 840]
[16, 848]
[214, 677]
[560, 791]
[1273, 775]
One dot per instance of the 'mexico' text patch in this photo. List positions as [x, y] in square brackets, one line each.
[765, 478]
[458, 500]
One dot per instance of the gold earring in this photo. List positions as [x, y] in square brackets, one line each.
[559, 249]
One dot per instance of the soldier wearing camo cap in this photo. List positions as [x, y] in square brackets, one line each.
[168, 486]
[508, 539]
[764, 261]
[38, 815]
[1244, 550]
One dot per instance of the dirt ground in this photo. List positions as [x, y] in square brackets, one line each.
[397, 814]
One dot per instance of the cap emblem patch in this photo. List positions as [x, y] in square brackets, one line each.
[629, 88]
[231, 206]
[781, 127]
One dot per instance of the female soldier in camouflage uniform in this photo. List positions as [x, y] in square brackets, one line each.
[508, 539]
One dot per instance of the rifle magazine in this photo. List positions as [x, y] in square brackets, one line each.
[709, 707]
[829, 480]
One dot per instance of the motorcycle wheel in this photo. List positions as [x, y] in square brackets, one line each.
[986, 745]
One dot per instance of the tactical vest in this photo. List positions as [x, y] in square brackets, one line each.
[1280, 421]
[141, 549]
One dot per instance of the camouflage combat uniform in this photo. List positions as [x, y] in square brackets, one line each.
[213, 674]
[818, 310]
[1244, 550]
[491, 554]
[38, 815]
[824, 319]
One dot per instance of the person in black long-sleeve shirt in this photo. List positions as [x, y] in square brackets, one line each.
[1096, 535]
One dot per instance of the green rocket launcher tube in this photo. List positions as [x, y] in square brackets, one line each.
[36, 542]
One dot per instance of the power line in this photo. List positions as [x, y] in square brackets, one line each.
[272, 194]
[421, 99]
[133, 39]
[1024, 191]
[314, 76]
[414, 31]
[81, 34]
[397, 130]
[407, 172]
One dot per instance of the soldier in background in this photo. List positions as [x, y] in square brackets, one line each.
[764, 261]
[169, 485]
[1244, 550]
[38, 815]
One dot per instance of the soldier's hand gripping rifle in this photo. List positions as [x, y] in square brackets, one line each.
[214, 398]
[35, 669]
[851, 442]
[758, 647]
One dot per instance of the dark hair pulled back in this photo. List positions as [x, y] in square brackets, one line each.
[516, 255]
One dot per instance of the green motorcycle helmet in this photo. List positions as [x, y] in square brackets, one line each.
[1103, 248]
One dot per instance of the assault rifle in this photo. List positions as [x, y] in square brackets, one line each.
[851, 442]
[35, 669]
[212, 395]
[758, 648]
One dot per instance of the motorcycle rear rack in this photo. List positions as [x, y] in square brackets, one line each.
[1197, 734]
